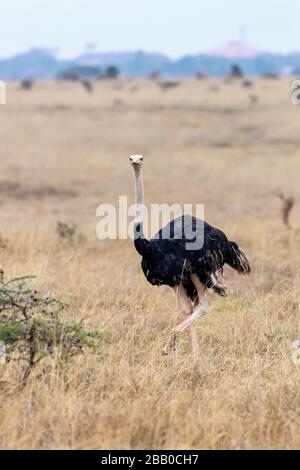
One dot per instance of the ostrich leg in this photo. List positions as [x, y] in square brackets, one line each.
[200, 310]
[186, 307]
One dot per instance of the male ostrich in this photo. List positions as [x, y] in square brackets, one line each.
[190, 272]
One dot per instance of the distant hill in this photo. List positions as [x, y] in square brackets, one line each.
[36, 63]
[42, 63]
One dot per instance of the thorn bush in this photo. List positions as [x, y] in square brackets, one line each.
[31, 327]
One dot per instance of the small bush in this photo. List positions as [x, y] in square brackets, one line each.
[69, 233]
[253, 99]
[168, 85]
[111, 73]
[236, 71]
[66, 230]
[31, 327]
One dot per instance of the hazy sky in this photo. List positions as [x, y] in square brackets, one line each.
[172, 26]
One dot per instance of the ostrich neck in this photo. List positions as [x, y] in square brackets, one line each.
[139, 195]
[142, 245]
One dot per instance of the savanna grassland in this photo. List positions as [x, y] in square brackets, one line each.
[63, 152]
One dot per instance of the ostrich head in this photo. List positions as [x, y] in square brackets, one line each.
[136, 160]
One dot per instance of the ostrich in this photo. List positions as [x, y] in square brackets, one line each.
[189, 272]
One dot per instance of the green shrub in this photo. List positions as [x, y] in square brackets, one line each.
[30, 325]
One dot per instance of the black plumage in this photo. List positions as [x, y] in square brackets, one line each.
[168, 261]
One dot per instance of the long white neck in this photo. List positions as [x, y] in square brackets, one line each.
[139, 195]
[142, 245]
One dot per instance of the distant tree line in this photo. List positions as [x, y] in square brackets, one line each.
[42, 63]
[80, 72]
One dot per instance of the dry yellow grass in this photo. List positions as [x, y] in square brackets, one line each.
[62, 153]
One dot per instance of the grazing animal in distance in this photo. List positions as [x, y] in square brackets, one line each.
[166, 260]
[87, 85]
[26, 84]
